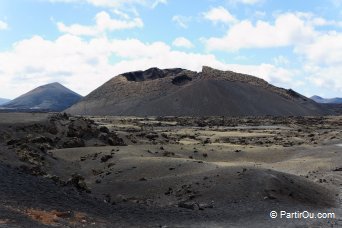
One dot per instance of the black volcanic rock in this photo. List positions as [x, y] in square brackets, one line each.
[321, 100]
[50, 97]
[179, 92]
[181, 80]
[3, 101]
[150, 74]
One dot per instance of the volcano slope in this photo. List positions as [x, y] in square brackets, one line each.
[179, 92]
[66, 171]
[51, 97]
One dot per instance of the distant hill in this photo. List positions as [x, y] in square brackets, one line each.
[50, 97]
[4, 100]
[335, 109]
[319, 99]
[180, 92]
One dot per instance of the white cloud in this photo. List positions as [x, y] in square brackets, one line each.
[121, 14]
[326, 49]
[77, 29]
[260, 14]
[319, 50]
[135, 49]
[3, 25]
[103, 23]
[84, 65]
[323, 60]
[247, 2]
[64, 1]
[276, 75]
[116, 3]
[182, 42]
[313, 20]
[181, 21]
[250, 1]
[157, 2]
[281, 60]
[219, 14]
[67, 59]
[328, 78]
[288, 29]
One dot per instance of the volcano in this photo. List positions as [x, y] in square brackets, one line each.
[50, 97]
[180, 92]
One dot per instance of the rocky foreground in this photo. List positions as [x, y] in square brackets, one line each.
[60, 170]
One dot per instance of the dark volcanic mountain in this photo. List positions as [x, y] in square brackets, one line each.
[50, 97]
[4, 100]
[322, 100]
[179, 92]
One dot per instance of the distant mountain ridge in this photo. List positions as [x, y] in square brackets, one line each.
[50, 97]
[322, 100]
[180, 92]
[4, 100]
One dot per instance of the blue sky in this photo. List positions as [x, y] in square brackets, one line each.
[83, 43]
